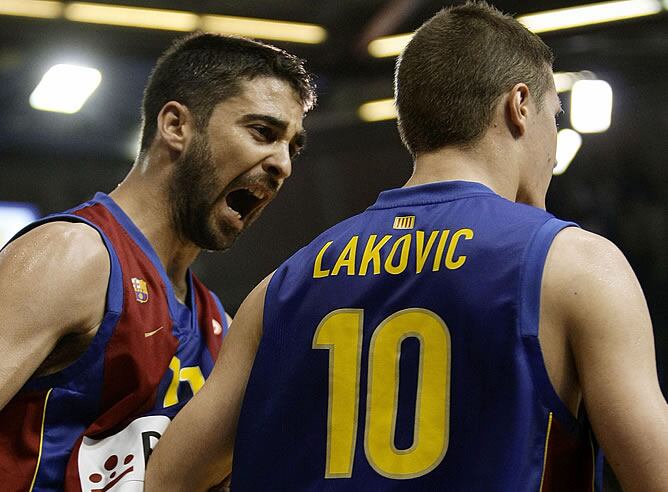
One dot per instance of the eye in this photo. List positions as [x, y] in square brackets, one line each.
[264, 133]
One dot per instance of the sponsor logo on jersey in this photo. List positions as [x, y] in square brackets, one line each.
[151, 333]
[118, 462]
[141, 289]
[406, 222]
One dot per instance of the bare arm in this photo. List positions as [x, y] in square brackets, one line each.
[195, 452]
[609, 332]
[53, 282]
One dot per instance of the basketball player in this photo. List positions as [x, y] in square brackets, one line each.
[105, 333]
[451, 336]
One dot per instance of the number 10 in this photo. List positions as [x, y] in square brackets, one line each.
[340, 332]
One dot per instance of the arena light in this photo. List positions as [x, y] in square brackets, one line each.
[549, 20]
[380, 110]
[31, 8]
[389, 45]
[297, 32]
[116, 15]
[564, 81]
[591, 106]
[585, 15]
[14, 217]
[65, 88]
[568, 144]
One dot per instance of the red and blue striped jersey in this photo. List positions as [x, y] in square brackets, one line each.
[400, 351]
[92, 425]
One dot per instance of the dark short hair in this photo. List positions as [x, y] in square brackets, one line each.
[200, 70]
[455, 68]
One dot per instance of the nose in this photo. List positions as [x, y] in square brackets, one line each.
[279, 165]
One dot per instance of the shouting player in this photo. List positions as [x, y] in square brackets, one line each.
[104, 331]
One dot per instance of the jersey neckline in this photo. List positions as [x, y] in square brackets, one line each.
[175, 306]
[437, 192]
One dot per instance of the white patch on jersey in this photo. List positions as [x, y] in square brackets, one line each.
[118, 462]
[217, 327]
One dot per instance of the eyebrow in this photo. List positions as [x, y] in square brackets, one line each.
[300, 138]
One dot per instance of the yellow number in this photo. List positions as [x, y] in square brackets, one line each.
[431, 427]
[192, 375]
[341, 333]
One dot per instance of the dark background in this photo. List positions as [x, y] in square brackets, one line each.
[616, 185]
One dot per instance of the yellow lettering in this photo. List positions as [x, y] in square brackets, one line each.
[171, 397]
[405, 243]
[450, 262]
[372, 253]
[318, 272]
[192, 375]
[423, 251]
[439, 250]
[347, 257]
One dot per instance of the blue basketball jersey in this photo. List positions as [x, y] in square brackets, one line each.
[400, 352]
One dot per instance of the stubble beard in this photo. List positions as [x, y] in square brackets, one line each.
[194, 192]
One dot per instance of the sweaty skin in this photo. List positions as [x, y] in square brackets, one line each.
[59, 274]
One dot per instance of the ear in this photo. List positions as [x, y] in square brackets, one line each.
[517, 108]
[175, 125]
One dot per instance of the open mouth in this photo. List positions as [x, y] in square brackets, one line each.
[245, 201]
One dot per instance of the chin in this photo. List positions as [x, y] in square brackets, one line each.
[216, 239]
[219, 245]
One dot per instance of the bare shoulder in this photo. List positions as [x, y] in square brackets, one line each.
[595, 295]
[61, 266]
[576, 249]
[585, 272]
[53, 282]
[56, 238]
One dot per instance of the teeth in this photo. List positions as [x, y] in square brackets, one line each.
[259, 194]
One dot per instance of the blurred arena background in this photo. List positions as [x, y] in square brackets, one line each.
[616, 184]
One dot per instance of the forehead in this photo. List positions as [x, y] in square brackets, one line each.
[266, 96]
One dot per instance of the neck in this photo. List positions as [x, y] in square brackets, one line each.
[486, 163]
[144, 197]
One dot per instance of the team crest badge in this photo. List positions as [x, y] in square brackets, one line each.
[141, 289]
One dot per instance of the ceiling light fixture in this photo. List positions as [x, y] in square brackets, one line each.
[31, 8]
[169, 20]
[550, 20]
[586, 15]
[65, 88]
[389, 45]
[297, 32]
[591, 106]
[382, 109]
[95, 13]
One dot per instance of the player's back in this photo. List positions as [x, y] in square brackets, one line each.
[400, 351]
